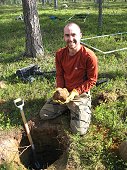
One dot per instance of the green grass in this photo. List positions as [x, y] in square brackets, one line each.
[118, 41]
[99, 148]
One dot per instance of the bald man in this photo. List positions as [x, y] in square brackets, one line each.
[77, 71]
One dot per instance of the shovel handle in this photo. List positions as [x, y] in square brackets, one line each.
[27, 129]
[20, 103]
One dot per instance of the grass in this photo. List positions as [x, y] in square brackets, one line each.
[99, 148]
[116, 42]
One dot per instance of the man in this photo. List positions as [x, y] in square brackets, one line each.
[77, 71]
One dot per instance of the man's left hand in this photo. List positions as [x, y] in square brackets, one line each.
[72, 95]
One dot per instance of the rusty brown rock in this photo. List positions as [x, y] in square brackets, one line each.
[61, 94]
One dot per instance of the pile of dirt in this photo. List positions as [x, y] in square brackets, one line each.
[51, 142]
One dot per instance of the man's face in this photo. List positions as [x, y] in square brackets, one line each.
[72, 36]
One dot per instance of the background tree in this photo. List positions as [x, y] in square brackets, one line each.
[55, 4]
[100, 17]
[34, 47]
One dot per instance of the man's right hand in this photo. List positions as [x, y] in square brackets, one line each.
[60, 95]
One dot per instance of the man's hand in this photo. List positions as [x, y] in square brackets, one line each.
[60, 95]
[72, 95]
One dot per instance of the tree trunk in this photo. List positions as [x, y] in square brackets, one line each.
[55, 4]
[34, 47]
[100, 17]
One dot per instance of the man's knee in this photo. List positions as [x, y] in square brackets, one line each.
[80, 122]
[47, 111]
[79, 126]
[51, 110]
[44, 114]
[78, 130]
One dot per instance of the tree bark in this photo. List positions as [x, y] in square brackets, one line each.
[55, 4]
[100, 17]
[34, 47]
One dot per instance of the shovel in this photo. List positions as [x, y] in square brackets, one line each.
[20, 103]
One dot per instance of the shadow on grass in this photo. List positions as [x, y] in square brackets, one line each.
[112, 75]
[11, 116]
[50, 75]
[12, 59]
[115, 160]
[29, 79]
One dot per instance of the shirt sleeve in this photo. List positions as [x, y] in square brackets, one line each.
[92, 74]
[59, 71]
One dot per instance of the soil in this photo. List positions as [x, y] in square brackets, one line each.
[51, 145]
[51, 139]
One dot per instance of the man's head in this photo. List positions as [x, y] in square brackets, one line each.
[72, 35]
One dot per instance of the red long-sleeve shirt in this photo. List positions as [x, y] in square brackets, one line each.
[76, 72]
